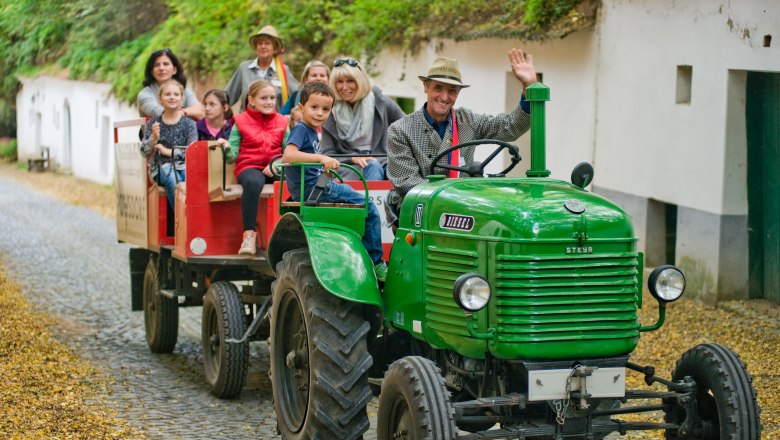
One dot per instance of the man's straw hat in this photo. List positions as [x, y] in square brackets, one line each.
[267, 31]
[445, 70]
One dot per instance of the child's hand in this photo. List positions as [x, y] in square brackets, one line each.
[329, 163]
[163, 150]
[219, 143]
[155, 136]
[267, 170]
[361, 161]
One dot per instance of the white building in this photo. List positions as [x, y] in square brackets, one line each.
[676, 104]
[656, 97]
[74, 119]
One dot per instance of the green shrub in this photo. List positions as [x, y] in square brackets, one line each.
[8, 150]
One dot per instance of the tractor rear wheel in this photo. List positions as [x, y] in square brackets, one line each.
[725, 399]
[319, 356]
[161, 314]
[414, 403]
[225, 364]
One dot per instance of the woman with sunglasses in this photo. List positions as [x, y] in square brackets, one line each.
[359, 120]
[162, 66]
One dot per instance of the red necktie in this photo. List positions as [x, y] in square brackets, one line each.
[454, 155]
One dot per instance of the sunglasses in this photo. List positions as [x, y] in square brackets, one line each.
[159, 51]
[348, 61]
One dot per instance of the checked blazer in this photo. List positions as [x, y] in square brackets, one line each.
[412, 143]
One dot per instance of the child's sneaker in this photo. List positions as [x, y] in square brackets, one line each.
[249, 245]
[381, 271]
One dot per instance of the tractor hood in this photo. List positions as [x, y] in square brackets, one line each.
[507, 209]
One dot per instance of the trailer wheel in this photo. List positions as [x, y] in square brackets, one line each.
[319, 356]
[725, 400]
[415, 403]
[161, 314]
[225, 364]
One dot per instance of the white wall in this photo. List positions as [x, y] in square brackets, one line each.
[568, 67]
[649, 146]
[612, 91]
[93, 111]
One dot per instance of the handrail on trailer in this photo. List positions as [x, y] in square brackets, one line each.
[303, 165]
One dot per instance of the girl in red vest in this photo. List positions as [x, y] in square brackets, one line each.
[257, 136]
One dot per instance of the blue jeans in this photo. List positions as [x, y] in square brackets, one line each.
[374, 170]
[167, 178]
[372, 235]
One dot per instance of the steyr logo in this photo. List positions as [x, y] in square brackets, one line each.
[455, 221]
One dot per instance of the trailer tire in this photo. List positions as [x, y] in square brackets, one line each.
[415, 400]
[319, 356]
[161, 314]
[224, 364]
[726, 400]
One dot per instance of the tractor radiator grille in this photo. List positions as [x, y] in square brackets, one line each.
[555, 298]
[444, 267]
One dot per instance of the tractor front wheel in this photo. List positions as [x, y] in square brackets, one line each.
[319, 356]
[414, 403]
[161, 314]
[224, 363]
[726, 403]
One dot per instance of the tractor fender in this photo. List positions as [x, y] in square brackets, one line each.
[338, 257]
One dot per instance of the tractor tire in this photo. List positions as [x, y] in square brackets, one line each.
[319, 356]
[224, 364]
[414, 403]
[726, 400]
[161, 314]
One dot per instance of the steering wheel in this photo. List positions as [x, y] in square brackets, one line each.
[478, 168]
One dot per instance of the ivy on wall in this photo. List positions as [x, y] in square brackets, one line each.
[110, 40]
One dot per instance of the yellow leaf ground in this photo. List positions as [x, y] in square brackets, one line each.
[47, 391]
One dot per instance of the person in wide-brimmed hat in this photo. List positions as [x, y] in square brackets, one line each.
[444, 70]
[268, 66]
[414, 140]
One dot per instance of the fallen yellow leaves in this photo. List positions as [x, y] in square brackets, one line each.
[46, 391]
[750, 328]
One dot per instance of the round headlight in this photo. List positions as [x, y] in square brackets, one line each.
[666, 283]
[471, 292]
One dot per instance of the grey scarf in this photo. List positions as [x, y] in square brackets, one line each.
[356, 122]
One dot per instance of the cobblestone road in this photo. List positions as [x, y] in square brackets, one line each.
[69, 264]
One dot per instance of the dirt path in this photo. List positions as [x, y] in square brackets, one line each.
[69, 264]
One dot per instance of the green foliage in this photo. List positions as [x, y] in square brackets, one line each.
[542, 13]
[8, 150]
[366, 27]
[109, 23]
[110, 40]
[210, 36]
[31, 33]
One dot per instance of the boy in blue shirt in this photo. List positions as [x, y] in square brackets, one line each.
[303, 145]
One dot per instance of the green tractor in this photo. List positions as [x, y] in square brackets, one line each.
[509, 311]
